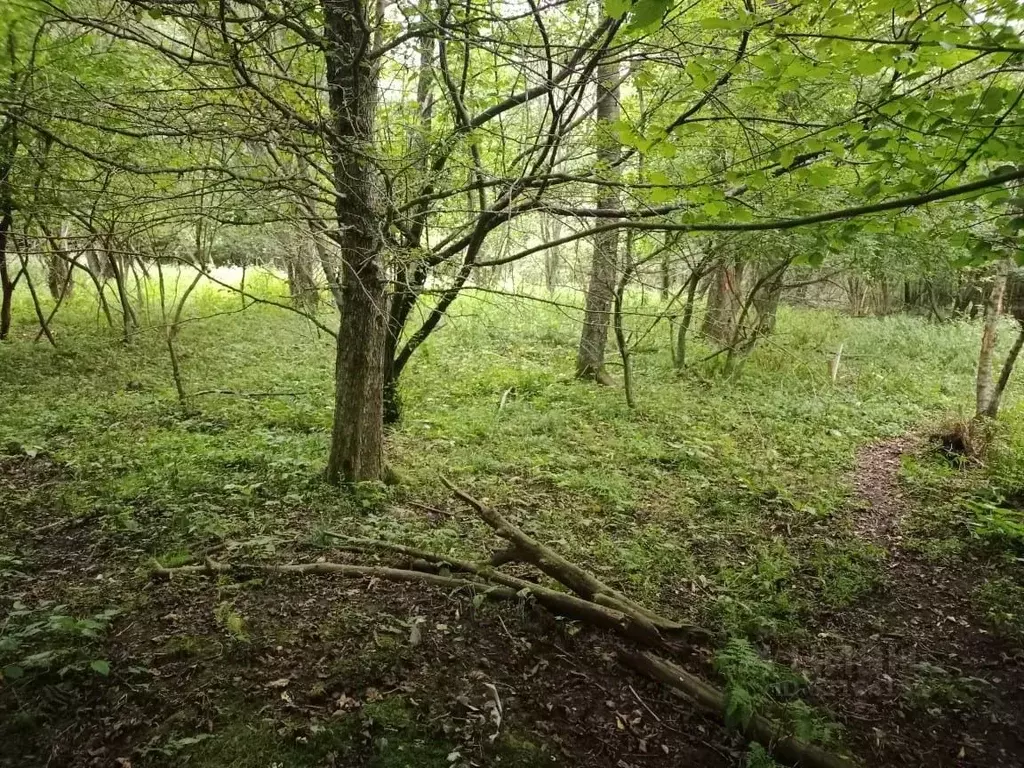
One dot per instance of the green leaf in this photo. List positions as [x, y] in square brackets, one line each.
[101, 666]
[872, 188]
[12, 672]
[662, 195]
[868, 65]
[648, 14]
[717, 22]
[616, 9]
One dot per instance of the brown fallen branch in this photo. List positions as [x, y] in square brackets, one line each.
[502, 587]
[211, 567]
[630, 626]
[607, 609]
[584, 584]
[767, 733]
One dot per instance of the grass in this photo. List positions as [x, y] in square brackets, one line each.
[736, 487]
[723, 499]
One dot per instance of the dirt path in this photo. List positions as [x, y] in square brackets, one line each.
[912, 669]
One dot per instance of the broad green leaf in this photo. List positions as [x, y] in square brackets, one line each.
[647, 14]
[615, 9]
[12, 672]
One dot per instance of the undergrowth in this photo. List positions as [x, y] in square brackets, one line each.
[722, 500]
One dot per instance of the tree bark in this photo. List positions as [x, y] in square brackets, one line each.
[551, 229]
[6, 283]
[302, 282]
[357, 436]
[601, 286]
[59, 275]
[693, 282]
[724, 302]
[6, 221]
[992, 409]
[993, 309]
[410, 278]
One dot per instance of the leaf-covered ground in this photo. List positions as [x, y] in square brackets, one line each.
[735, 502]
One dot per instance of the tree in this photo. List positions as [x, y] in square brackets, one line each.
[357, 442]
[604, 260]
[837, 120]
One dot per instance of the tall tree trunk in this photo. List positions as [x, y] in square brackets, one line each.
[116, 267]
[302, 282]
[9, 147]
[357, 436]
[6, 283]
[59, 275]
[666, 274]
[692, 283]
[620, 335]
[551, 229]
[993, 309]
[601, 286]
[992, 409]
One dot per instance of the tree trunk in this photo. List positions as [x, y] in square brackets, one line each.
[992, 409]
[620, 335]
[6, 283]
[59, 275]
[551, 229]
[666, 275]
[357, 436]
[302, 282]
[601, 286]
[6, 221]
[993, 309]
[724, 302]
[693, 281]
[410, 278]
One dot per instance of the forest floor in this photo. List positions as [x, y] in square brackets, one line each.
[791, 517]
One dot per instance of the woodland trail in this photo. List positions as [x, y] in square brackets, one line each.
[912, 668]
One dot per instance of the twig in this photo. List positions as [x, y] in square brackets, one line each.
[246, 394]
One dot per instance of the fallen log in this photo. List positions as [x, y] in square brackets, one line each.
[346, 570]
[769, 734]
[632, 624]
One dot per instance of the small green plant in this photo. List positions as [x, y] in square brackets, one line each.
[758, 757]
[1003, 601]
[935, 688]
[46, 638]
[755, 685]
[997, 523]
[232, 622]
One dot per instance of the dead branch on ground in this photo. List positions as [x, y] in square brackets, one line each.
[589, 600]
